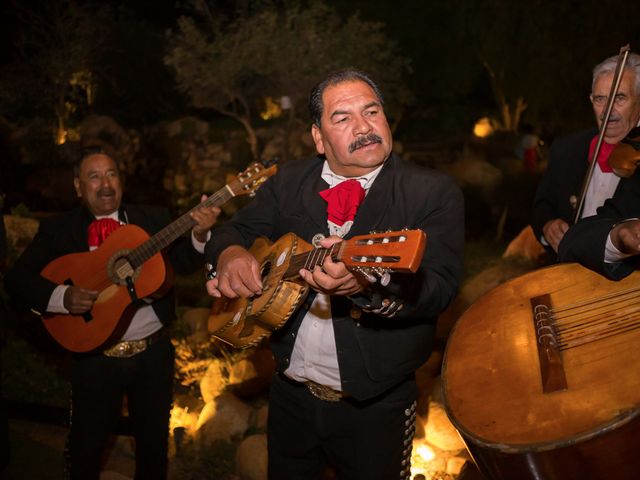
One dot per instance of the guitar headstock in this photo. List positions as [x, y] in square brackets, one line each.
[249, 181]
[399, 251]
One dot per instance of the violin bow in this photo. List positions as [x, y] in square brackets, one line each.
[622, 60]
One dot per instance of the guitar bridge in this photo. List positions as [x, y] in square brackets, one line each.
[549, 357]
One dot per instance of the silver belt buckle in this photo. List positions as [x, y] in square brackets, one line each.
[323, 392]
[126, 349]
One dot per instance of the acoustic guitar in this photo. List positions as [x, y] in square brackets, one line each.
[541, 377]
[244, 322]
[125, 269]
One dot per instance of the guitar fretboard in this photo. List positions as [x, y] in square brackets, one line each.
[171, 232]
[309, 260]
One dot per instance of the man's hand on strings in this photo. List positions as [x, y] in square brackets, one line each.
[333, 278]
[237, 274]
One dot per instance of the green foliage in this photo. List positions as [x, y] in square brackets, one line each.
[21, 210]
[57, 51]
[275, 50]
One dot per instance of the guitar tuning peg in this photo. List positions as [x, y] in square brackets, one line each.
[366, 274]
[384, 274]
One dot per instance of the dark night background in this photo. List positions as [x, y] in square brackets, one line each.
[443, 65]
[466, 59]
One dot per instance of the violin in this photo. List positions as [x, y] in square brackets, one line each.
[625, 158]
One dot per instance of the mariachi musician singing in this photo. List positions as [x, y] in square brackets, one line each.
[140, 364]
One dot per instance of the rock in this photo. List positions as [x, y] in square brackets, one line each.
[251, 458]
[455, 464]
[224, 418]
[196, 319]
[526, 246]
[214, 381]
[252, 374]
[20, 232]
[261, 416]
[440, 432]
[473, 171]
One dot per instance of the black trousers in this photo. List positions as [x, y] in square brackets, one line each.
[99, 384]
[360, 440]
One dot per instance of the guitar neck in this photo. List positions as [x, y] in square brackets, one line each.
[399, 251]
[171, 232]
[309, 260]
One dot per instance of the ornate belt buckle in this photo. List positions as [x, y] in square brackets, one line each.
[323, 392]
[126, 349]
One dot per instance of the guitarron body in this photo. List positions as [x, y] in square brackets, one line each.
[542, 377]
[105, 270]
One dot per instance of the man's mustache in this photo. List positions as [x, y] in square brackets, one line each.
[362, 141]
[612, 118]
[106, 191]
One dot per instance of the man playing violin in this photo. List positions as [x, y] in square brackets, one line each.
[344, 394]
[609, 242]
[560, 188]
[140, 364]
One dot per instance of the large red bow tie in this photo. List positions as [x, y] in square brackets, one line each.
[603, 154]
[99, 230]
[343, 201]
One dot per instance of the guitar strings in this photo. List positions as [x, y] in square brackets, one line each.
[596, 319]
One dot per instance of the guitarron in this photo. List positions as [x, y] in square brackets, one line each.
[126, 268]
[541, 377]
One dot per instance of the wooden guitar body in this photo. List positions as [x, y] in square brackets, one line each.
[105, 270]
[126, 268]
[245, 322]
[541, 377]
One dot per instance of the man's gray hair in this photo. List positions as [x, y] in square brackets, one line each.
[609, 66]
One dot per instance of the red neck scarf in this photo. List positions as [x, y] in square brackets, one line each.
[343, 201]
[99, 230]
[603, 154]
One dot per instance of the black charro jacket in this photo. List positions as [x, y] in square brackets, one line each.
[374, 353]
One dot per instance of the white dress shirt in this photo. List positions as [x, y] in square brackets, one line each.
[314, 355]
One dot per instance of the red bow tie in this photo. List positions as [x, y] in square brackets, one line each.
[99, 230]
[603, 154]
[343, 201]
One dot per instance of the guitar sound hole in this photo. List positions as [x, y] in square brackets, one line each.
[265, 269]
[119, 269]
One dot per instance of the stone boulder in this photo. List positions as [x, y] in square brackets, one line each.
[526, 246]
[439, 430]
[20, 232]
[214, 381]
[251, 458]
[224, 418]
[196, 319]
[252, 375]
